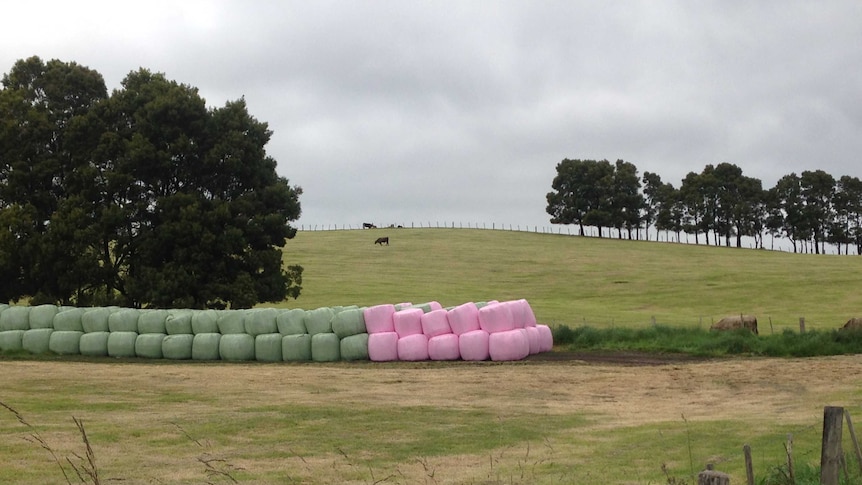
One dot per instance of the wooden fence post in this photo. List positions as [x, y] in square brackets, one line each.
[749, 466]
[853, 438]
[831, 454]
[801, 324]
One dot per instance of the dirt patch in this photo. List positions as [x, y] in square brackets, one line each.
[615, 358]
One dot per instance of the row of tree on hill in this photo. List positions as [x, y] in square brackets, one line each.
[810, 209]
[144, 197]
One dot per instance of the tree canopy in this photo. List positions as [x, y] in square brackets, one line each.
[146, 197]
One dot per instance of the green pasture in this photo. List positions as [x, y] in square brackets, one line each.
[575, 280]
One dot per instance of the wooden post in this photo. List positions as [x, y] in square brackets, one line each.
[749, 466]
[853, 438]
[830, 455]
[801, 324]
[788, 448]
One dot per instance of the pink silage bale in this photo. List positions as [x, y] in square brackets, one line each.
[519, 314]
[383, 346]
[546, 338]
[508, 345]
[474, 345]
[464, 318]
[413, 347]
[435, 305]
[378, 319]
[529, 315]
[436, 322]
[496, 317]
[444, 347]
[408, 321]
[533, 336]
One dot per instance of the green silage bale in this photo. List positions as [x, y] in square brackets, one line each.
[178, 346]
[267, 347]
[261, 321]
[179, 323]
[10, 340]
[325, 347]
[296, 348]
[96, 320]
[355, 347]
[69, 319]
[152, 321]
[348, 322]
[236, 347]
[65, 342]
[94, 344]
[231, 322]
[36, 340]
[149, 345]
[291, 322]
[319, 320]
[125, 320]
[206, 346]
[122, 344]
[205, 321]
[42, 316]
[15, 318]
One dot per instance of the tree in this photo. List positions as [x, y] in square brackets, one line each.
[627, 202]
[818, 189]
[581, 194]
[785, 210]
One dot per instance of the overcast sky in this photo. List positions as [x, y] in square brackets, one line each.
[400, 112]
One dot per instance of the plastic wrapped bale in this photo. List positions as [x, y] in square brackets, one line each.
[149, 345]
[378, 318]
[291, 322]
[10, 340]
[383, 346]
[125, 320]
[122, 344]
[206, 346]
[231, 322]
[516, 309]
[402, 306]
[94, 344]
[178, 346]
[65, 342]
[529, 315]
[508, 345]
[533, 337]
[436, 322]
[319, 320]
[152, 321]
[69, 320]
[96, 320]
[296, 347]
[36, 340]
[205, 321]
[325, 347]
[267, 347]
[236, 347]
[15, 318]
[355, 347]
[261, 321]
[413, 347]
[474, 345]
[464, 318]
[546, 338]
[496, 317]
[42, 316]
[179, 323]
[444, 347]
[349, 322]
[408, 322]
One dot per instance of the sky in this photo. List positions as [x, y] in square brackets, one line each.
[457, 112]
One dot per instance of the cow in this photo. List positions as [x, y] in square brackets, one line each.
[382, 240]
[736, 321]
[854, 323]
[368, 225]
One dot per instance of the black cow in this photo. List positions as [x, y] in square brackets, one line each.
[368, 225]
[382, 240]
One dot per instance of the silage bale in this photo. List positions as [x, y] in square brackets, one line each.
[530, 317]
[15, 318]
[408, 321]
[42, 316]
[436, 322]
[36, 340]
[533, 337]
[236, 347]
[231, 322]
[125, 320]
[69, 320]
[152, 321]
[205, 321]
[496, 317]
[65, 342]
[179, 323]
[96, 320]
[428, 306]
[122, 344]
[261, 321]
[444, 347]
[383, 346]
[149, 345]
[325, 347]
[348, 322]
[464, 318]
[354, 347]
[378, 318]
[319, 320]
[402, 306]
[94, 344]
[178, 346]
[546, 338]
[508, 345]
[296, 347]
[413, 347]
[291, 322]
[206, 346]
[10, 340]
[474, 345]
[267, 347]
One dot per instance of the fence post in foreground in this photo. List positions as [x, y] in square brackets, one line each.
[853, 438]
[749, 466]
[801, 324]
[831, 454]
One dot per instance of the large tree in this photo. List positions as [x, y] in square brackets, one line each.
[582, 194]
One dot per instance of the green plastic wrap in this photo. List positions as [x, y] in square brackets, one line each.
[122, 344]
[231, 322]
[15, 318]
[178, 346]
[291, 322]
[236, 347]
[36, 340]
[267, 347]
[125, 320]
[152, 321]
[95, 320]
[205, 321]
[319, 320]
[205, 346]
[94, 344]
[42, 316]
[10, 340]
[65, 342]
[69, 319]
[149, 345]
[179, 323]
[296, 348]
[355, 347]
[348, 322]
[325, 347]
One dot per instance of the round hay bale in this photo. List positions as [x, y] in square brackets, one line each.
[178, 346]
[496, 317]
[546, 338]
[206, 346]
[152, 321]
[125, 320]
[65, 342]
[509, 345]
[355, 347]
[42, 316]
[408, 322]
[10, 340]
[444, 347]
[378, 318]
[348, 322]
[518, 310]
[149, 345]
[15, 318]
[122, 344]
[261, 321]
[267, 347]
[325, 347]
[205, 321]
[69, 320]
[319, 320]
[236, 347]
[95, 320]
[296, 347]
[179, 323]
[413, 347]
[474, 345]
[36, 340]
[231, 322]
[529, 316]
[533, 337]
[436, 322]
[94, 344]
[383, 346]
[291, 322]
[464, 318]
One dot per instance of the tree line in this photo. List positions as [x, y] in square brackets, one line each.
[144, 197]
[719, 205]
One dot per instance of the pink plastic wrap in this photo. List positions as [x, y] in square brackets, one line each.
[516, 308]
[408, 321]
[529, 315]
[464, 318]
[413, 347]
[436, 322]
[546, 338]
[496, 317]
[533, 336]
[509, 345]
[383, 347]
[378, 319]
[444, 347]
[474, 345]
